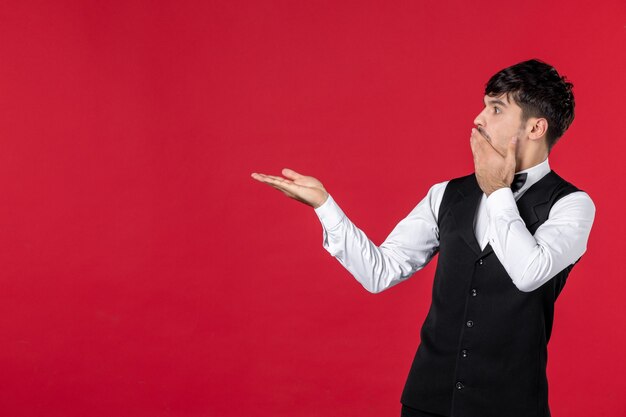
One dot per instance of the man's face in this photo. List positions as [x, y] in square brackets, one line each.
[499, 121]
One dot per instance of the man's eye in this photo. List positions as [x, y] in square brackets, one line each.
[497, 110]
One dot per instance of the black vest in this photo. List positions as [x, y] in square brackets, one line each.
[483, 350]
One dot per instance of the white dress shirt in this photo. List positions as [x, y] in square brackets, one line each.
[530, 260]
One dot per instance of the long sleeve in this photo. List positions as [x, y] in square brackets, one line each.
[531, 260]
[409, 247]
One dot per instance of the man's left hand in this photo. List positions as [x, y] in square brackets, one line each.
[493, 170]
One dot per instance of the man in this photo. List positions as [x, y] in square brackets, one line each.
[507, 237]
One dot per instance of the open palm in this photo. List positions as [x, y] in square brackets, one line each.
[306, 189]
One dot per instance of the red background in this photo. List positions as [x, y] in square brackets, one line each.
[144, 273]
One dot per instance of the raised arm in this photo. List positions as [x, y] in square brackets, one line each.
[531, 260]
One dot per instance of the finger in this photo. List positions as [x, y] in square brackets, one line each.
[280, 183]
[484, 145]
[477, 139]
[280, 179]
[290, 173]
[473, 147]
[265, 177]
[258, 176]
[512, 146]
[511, 151]
[475, 143]
[282, 190]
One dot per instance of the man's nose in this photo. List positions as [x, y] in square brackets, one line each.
[479, 120]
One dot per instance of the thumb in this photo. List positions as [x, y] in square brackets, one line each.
[290, 173]
[510, 156]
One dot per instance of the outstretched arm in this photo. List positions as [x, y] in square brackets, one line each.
[408, 248]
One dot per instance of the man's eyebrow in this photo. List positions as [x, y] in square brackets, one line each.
[497, 101]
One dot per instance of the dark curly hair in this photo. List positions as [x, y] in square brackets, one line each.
[540, 91]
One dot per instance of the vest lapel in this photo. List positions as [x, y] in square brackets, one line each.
[465, 211]
[534, 204]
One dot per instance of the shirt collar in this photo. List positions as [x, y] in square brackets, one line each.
[535, 173]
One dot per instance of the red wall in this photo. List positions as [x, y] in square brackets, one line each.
[144, 273]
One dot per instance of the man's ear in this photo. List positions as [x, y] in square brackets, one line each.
[538, 128]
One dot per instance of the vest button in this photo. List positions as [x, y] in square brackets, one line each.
[480, 261]
[459, 385]
[464, 353]
[474, 292]
[470, 323]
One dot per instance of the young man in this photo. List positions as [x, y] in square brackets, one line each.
[507, 237]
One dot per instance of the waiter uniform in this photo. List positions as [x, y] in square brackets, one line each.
[503, 261]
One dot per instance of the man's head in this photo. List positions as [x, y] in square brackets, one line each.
[529, 100]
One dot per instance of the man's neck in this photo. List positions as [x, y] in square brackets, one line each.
[528, 161]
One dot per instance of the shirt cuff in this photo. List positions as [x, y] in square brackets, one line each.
[501, 200]
[329, 213]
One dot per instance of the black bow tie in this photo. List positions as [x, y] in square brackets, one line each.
[518, 181]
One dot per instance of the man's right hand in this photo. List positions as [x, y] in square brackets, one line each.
[305, 189]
